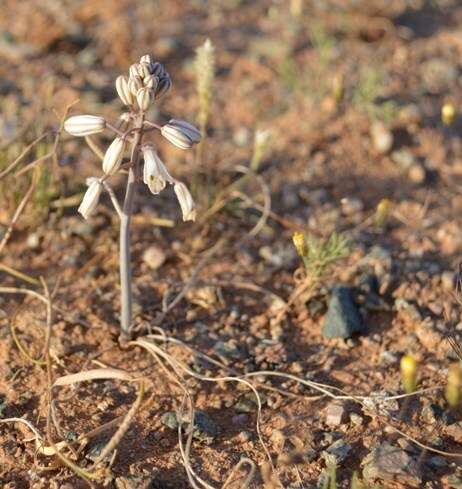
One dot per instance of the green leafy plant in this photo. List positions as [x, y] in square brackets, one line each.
[319, 254]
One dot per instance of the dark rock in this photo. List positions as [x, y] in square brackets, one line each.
[336, 453]
[432, 413]
[205, 428]
[343, 318]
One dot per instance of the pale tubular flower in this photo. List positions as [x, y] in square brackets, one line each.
[155, 174]
[123, 90]
[181, 134]
[113, 156]
[84, 125]
[91, 198]
[144, 98]
[188, 208]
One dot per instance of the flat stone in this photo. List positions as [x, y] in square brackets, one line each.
[343, 318]
[391, 463]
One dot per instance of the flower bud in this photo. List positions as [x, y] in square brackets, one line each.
[113, 156]
[181, 134]
[91, 198]
[454, 383]
[151, 82]
[163, 86]
[123, 90]
[299, 241]
[409, 373]
[135, 70]
[158, 69]
[134, 84]
[155, 174]
[84, 125]
[145, 70]
[146, 58]
[188, 208]
[144, 98]
[448, 114]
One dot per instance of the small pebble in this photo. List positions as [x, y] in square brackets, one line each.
[335, 414]
[382, 138]
[154, 257]
[417, 173]
[244, 436]
[448, 280]
[352, 205]
[356, 419]
[33, 241]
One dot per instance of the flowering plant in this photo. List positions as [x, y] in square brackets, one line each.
[147, 82]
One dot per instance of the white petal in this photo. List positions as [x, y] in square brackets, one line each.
[188, 208]
[90, 199]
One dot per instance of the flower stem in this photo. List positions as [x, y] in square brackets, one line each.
[126, 299]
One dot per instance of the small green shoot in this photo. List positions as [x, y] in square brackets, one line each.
[367, 92]
[319, 254]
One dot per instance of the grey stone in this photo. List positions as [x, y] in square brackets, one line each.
[205, 428]
[228, 349]
[343, 318]
[391, 463]
[437, 462]
[336, 453]
[388, 357]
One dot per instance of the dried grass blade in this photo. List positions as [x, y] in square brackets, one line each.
[94, 374]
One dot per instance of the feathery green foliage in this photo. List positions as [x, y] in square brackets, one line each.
[318, 254]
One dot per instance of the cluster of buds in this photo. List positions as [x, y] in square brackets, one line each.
[147, 82]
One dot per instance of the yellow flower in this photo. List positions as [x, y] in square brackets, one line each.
[409, 373]
[448, 114]
[298, 239]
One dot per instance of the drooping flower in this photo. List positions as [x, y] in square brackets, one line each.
[155, 174]
[91, 198]
[188, 207]
[113, 156]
